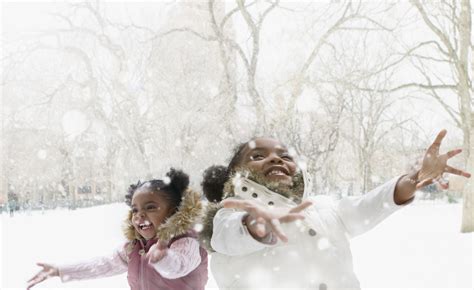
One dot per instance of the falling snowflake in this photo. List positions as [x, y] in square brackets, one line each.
[252, 144]
[323, 243]
[198, 227]
[213, 90]
[302, 165]
[292, 151]
[41, 154]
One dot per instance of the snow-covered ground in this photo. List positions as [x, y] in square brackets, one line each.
[418, 247]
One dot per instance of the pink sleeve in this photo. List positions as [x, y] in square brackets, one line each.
[181, 258]
[99, 267]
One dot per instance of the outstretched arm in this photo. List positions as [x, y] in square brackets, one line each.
[432, 169]
[362, 213]
[94, 268]
[181, 258]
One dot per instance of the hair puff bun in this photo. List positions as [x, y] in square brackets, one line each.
[179, 180]
[213, 181]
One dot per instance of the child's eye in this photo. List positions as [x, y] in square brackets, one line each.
[286, 157]
[150, 207]
[134, 210]
[257, 157]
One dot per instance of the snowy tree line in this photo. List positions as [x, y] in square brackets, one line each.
[111, 93]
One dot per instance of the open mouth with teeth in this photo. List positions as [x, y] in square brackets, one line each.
[277, 171]
[146, 225]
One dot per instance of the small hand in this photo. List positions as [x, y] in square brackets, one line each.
[262, 220]
[157, 252]
[47, 272]
[434, 164]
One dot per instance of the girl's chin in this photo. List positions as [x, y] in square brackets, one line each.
[147, 234]
[147, 238]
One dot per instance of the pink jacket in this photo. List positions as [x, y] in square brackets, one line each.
[183, 267]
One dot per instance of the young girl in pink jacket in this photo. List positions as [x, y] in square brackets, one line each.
[162, 251]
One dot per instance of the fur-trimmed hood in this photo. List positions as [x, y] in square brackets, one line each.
[184, 219]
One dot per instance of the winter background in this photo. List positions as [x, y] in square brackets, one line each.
[96, 95]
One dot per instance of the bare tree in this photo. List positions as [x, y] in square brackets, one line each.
[457, 50]
[449, 49]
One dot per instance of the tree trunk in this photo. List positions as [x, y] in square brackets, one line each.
[468, 192]
[3, 154]
[3, 167]
[465, 100]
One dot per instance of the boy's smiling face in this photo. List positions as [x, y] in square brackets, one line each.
[269, 158]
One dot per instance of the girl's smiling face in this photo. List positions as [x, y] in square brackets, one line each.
[149, 211]
[269, 158]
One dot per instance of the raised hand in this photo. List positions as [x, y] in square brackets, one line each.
[157, 252]
[48, 271]
[434, 164]
[262, 220]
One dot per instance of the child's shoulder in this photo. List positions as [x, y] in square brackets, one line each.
[321, 201]
[191, 234]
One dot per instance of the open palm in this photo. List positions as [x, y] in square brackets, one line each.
[45, 273]
[267, 219]
[435, 164]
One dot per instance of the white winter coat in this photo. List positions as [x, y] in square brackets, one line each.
[318, 254]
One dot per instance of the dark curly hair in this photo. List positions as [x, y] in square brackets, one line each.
[173, 188]
[216, 176]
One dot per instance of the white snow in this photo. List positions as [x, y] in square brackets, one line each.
[418, 247]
